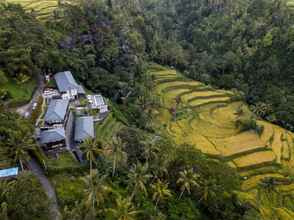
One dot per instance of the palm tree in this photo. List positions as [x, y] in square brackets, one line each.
[117, 153]
[138, 178]
[207, 190]
[92, 149]
[19, 145]
[96, 190]
[160, 191]
[187, 180]
[150, 150]
[124, 209]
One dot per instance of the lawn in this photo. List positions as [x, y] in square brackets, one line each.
[19, 93]
[64, 162]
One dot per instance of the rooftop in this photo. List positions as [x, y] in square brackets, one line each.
[52, 135]
[84, 128]
[9, 172]
[97, 101]
[56, 110]
[65, 82]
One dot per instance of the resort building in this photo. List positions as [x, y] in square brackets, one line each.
[67, 86]
[84, 129]
[98, 102]
[57, 113]
[53, 139]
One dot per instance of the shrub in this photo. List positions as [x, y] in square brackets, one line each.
[183, 209]
[69, 189]
[3, 78]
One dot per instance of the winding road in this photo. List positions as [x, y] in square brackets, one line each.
[26, 111]
[47, 186]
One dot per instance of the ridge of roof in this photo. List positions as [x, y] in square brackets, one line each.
[52, 135]
[56, 110]
[66, 81]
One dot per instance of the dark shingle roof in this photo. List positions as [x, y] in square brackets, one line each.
[65, 82]
[52, 135]
[56, 110]
[84, 128]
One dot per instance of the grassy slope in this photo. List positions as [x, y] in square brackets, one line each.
[208, 122]
[107, 129]
[20, 93]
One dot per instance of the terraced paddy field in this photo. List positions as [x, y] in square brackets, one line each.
[42, 8]
[209, 119]
[290, 3]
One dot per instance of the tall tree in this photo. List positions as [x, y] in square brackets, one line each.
[92, 149]
[161, 191]
[96, 190]
[117, 153]
[138, 178]
[124, 209]
[187, 180]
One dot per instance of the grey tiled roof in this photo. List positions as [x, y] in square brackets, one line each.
[56, 110]
[52, 135]
[65, 82]
[84, 128]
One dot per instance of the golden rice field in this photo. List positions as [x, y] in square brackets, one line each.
[43, 9]
[199, 115]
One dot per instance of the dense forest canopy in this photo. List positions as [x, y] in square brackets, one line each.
[245, 45]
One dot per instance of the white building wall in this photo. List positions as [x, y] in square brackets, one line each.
[70, 94]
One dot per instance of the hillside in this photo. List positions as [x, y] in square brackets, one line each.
[220, 124]
[200, 95]
[42, 9]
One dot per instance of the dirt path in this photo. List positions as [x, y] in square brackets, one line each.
[37, 170]
[27, 109]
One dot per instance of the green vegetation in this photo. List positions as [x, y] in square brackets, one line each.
[232, 44]
[18, 93]
[23, 198]
[65, 163]
[227, 131]
[172, 147]
[108, 128]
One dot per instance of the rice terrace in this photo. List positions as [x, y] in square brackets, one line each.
[214, 121]
[42, 9]
[146, 109]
